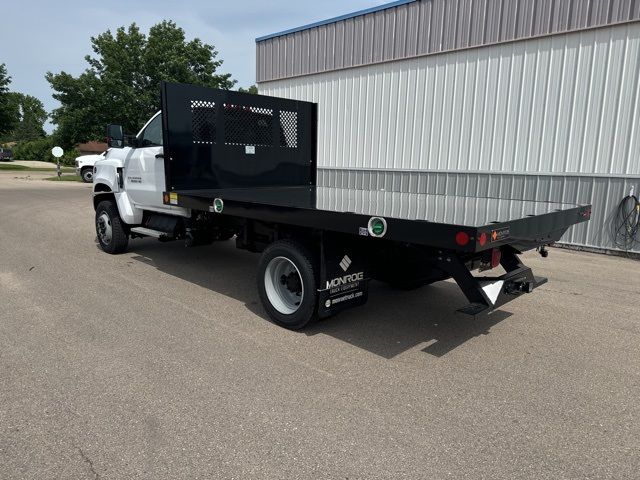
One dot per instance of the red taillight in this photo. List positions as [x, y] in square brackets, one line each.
[496, 255]
[462, 238]
[482, 239]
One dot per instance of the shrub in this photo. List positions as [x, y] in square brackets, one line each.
[69, 157]
[40, 149]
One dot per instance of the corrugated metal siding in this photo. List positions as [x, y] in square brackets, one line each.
[604, 193]
[567, 103]
[427, 27]
[553, 118]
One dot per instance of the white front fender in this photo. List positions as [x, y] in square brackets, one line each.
[129, 214]
[105, 174]
[105, 181]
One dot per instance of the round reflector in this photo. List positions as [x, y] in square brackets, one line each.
[462, 238]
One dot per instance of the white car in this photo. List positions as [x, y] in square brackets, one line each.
[85, 164]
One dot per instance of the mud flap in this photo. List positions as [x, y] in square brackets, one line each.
[344, 275]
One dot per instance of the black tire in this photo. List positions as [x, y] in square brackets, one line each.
[304, 263]
[87, 175]
[107, 212]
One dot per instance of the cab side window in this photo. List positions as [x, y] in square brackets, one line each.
[152, 135]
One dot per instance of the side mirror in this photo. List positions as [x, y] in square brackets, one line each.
[115, 136]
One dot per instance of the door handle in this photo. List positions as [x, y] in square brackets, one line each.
[160, 155]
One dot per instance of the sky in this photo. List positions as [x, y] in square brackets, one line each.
[41, 36]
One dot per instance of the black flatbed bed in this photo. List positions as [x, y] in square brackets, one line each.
[418, 218]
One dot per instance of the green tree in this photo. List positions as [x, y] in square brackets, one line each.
[7, 111]
[122, 83]
[30, 115]
[252, 89]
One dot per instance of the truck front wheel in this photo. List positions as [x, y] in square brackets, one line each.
[287, 284]
[109, 228]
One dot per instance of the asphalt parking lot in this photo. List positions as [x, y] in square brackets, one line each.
[160, 363]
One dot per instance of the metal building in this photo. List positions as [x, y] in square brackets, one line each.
[535, 99]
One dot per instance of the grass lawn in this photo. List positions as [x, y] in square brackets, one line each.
[65, 178]
[9, 166]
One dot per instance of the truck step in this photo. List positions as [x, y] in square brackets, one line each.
[148, 232]
[475, 309]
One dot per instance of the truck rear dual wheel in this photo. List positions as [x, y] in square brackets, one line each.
[287, 284]
[110, 229]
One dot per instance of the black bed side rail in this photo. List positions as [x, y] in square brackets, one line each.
[485, 294]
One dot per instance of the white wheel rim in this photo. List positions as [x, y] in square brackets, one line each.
[88, 176]
[280, 276]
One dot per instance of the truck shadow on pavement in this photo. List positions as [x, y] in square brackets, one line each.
[392, 321]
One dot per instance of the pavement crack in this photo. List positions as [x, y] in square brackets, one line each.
[89, 462]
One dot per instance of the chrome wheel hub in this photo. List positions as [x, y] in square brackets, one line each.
[103, 228]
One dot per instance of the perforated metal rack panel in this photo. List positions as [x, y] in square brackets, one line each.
[223, 139]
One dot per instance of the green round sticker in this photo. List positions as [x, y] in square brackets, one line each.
[377, 227]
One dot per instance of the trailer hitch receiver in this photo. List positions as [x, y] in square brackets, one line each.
[516, 287]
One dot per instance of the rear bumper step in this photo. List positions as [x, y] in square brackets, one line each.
[485, 294]
[502, 290]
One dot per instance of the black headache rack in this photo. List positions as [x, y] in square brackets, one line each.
[252, 157]
[223, 139]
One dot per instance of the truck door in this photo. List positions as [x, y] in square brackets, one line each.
[144, 171]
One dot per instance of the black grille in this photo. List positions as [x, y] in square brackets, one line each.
[203, 121]
[288, 129]
[248, 125]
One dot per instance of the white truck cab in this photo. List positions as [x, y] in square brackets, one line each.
[135, 174]
[131, 178]
[85, 165]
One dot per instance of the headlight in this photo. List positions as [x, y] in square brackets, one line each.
[77, 163]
